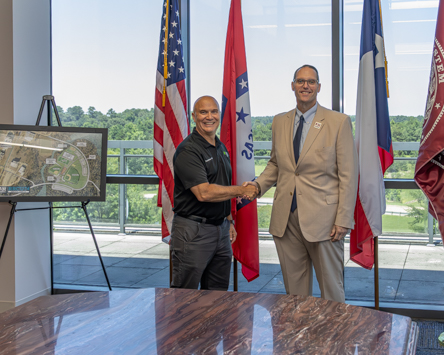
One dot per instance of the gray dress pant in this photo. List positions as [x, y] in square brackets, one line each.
[201, 253]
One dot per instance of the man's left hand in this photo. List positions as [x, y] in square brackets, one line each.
[233, 234]
[338, 233]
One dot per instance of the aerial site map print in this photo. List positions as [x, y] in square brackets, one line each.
[41, 163]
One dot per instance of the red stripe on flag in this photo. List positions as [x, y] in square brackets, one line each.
[183, 95]
[158, 100]
[165, 231]
[158, 134]
[386, 158]
[168, 180]
[159, 193]
[171, 124]
[362, 251]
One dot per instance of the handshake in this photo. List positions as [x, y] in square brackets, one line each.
[249, 190]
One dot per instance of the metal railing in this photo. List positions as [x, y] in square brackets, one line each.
[122, 178]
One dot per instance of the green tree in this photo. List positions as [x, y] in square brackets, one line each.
[418, 210]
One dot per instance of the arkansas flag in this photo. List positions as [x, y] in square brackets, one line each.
[170, 111]
[372, 137]
[429, 170]
[237, 135]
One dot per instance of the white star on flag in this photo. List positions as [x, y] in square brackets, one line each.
[181, 69]
[176, 52]
[438, 105]
[243, 84]
[171, 34]
[179, 41]
[238, 199]
[174, 23]
[171, 64]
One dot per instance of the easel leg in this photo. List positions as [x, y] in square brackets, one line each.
[95, 242]
[14, 204]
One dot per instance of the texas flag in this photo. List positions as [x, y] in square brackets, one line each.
[237, 135]
[372, 138]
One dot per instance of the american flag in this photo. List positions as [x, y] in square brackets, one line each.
[170, 111]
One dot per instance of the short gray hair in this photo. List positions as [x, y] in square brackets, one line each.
[306, 66]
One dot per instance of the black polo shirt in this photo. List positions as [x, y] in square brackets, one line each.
[196, 162]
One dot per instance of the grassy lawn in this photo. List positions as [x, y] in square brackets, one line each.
[390, 224]
[396, 224]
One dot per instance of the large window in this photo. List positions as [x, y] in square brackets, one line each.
[104, 70]
[409, 59]
[279, 38]
[104, 66]
[409, 269]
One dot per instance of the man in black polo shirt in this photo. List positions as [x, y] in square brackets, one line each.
[202, 226]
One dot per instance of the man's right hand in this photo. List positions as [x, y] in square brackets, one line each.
[250, 190]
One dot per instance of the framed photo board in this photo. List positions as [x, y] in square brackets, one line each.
[52, 163]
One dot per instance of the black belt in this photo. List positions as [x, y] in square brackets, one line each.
[216, 222]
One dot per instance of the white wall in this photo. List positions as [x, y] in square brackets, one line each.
[25, 64]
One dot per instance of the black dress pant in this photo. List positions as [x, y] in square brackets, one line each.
[201, 253]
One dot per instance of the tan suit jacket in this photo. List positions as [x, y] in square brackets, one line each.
[325, 178]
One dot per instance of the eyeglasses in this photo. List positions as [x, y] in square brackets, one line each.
[310, 82]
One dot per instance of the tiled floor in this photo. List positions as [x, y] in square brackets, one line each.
[409, 273]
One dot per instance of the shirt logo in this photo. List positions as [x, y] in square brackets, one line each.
[206, 161]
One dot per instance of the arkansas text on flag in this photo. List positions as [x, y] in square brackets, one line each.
[237, 135]
[372, 137]
[170, 111]
[429, 170]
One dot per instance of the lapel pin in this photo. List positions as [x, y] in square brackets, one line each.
[317, 125]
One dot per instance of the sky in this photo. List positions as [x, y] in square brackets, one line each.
[105, 51]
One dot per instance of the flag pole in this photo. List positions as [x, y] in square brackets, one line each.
[376, 270]
[171, 266]
[376, 248]
[235, 283]
[165, 76]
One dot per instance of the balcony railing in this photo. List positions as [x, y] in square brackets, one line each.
[123, 177]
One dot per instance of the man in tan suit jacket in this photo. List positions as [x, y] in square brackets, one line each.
[324, 181]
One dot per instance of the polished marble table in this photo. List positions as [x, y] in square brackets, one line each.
[177, 321]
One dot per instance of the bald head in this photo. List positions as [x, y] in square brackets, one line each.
[203, 99]
[206, 115]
